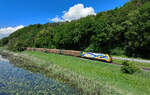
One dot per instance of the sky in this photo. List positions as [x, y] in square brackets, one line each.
[15, 14]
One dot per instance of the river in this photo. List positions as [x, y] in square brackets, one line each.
[17, 81]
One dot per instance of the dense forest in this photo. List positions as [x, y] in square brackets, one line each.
[121, 31]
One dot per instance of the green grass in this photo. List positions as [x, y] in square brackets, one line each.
[107, 74]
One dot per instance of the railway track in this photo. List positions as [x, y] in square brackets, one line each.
[132, 59]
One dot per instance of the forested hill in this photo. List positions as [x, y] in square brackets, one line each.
[124, 30]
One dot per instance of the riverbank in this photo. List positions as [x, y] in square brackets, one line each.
[86, 76]
[18, 81]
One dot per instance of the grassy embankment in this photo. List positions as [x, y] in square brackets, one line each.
[106, 74]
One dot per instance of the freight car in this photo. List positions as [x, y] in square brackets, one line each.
[97, 56]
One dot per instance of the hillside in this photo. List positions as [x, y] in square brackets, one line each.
[121, 31]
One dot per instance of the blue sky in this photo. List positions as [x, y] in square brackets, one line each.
[25, 12]
[18, 13]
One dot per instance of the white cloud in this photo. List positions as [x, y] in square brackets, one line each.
[56, 19]
[7, 31]
[78, 11]
[75, 12]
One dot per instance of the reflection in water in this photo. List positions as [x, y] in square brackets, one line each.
[17, 81]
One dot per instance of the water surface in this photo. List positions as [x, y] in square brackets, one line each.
[17, 81]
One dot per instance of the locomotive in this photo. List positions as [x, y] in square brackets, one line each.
[98, 56]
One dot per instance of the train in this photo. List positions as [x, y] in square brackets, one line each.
[83, 54]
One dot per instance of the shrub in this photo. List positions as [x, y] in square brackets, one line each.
[129, 68]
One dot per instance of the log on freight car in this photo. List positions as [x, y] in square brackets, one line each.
[53, 51]
[70, 52]
[30, 49]
[40, 49]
